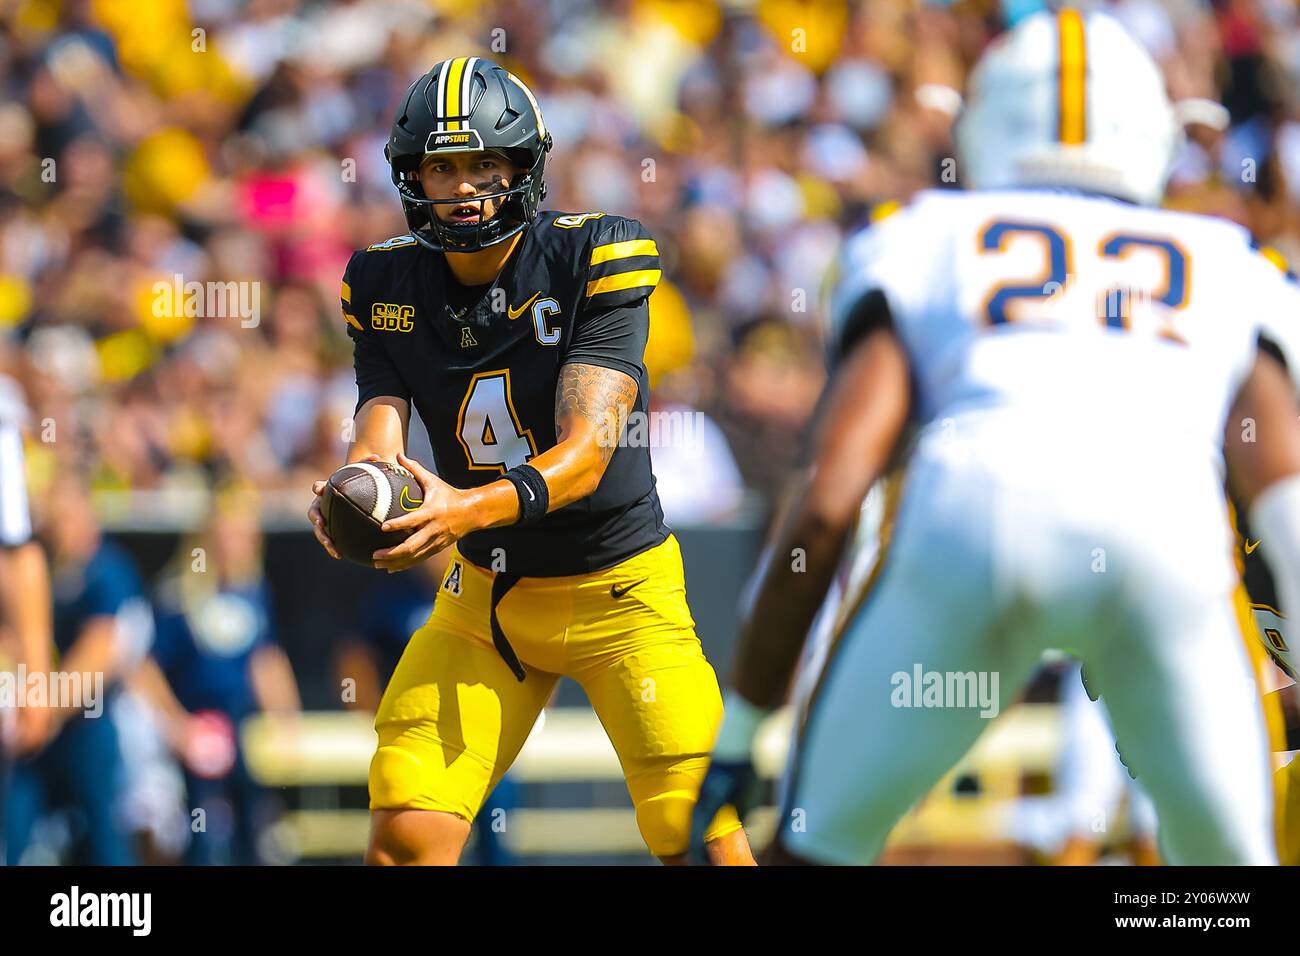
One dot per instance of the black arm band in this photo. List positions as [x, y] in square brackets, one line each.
[534, 496]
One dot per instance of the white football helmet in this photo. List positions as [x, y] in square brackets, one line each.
[1068, 99]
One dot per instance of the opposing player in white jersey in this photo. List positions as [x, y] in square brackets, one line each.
[1068, 357]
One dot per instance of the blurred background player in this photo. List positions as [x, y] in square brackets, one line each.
[394, 607]
[215, 663]
[26, 626]
[989, 356]
[101, 622]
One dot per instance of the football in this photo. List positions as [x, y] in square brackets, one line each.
[359, 498]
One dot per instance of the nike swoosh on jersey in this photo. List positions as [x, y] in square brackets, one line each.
[616, 592]
[513, 314]
[404, 499]
[1250, 548]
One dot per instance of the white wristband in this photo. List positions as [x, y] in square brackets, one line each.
[740, 722]
[1275, 521]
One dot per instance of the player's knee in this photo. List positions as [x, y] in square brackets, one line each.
[380, 854]
[664, 792]
[416, 838]
[395, 775]
[665, 821]
[388, 846]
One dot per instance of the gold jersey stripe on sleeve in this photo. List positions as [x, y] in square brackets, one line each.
[623, 250]
[1073, 80]
[624, 280]
[352, 321]
[346, 293]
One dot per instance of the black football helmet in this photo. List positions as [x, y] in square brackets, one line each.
[468, 104]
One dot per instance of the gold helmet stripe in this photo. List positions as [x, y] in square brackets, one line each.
[451, 93]
[1073, 79]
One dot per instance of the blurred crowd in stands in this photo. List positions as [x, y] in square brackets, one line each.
[148, 145]
[221, 141]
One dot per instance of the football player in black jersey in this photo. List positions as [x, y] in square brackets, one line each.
[518, 336]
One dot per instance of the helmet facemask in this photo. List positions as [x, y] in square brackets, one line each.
[516, 207]
[465, 105]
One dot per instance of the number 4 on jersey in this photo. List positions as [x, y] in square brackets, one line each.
[488, 426]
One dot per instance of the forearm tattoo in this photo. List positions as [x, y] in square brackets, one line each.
[601, 396]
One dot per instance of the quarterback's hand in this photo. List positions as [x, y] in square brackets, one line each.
[317, 517]
[733, 783]
[435, 525]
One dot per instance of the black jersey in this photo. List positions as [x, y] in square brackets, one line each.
[481, 366]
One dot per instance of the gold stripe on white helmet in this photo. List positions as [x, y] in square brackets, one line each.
[1068, 99]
